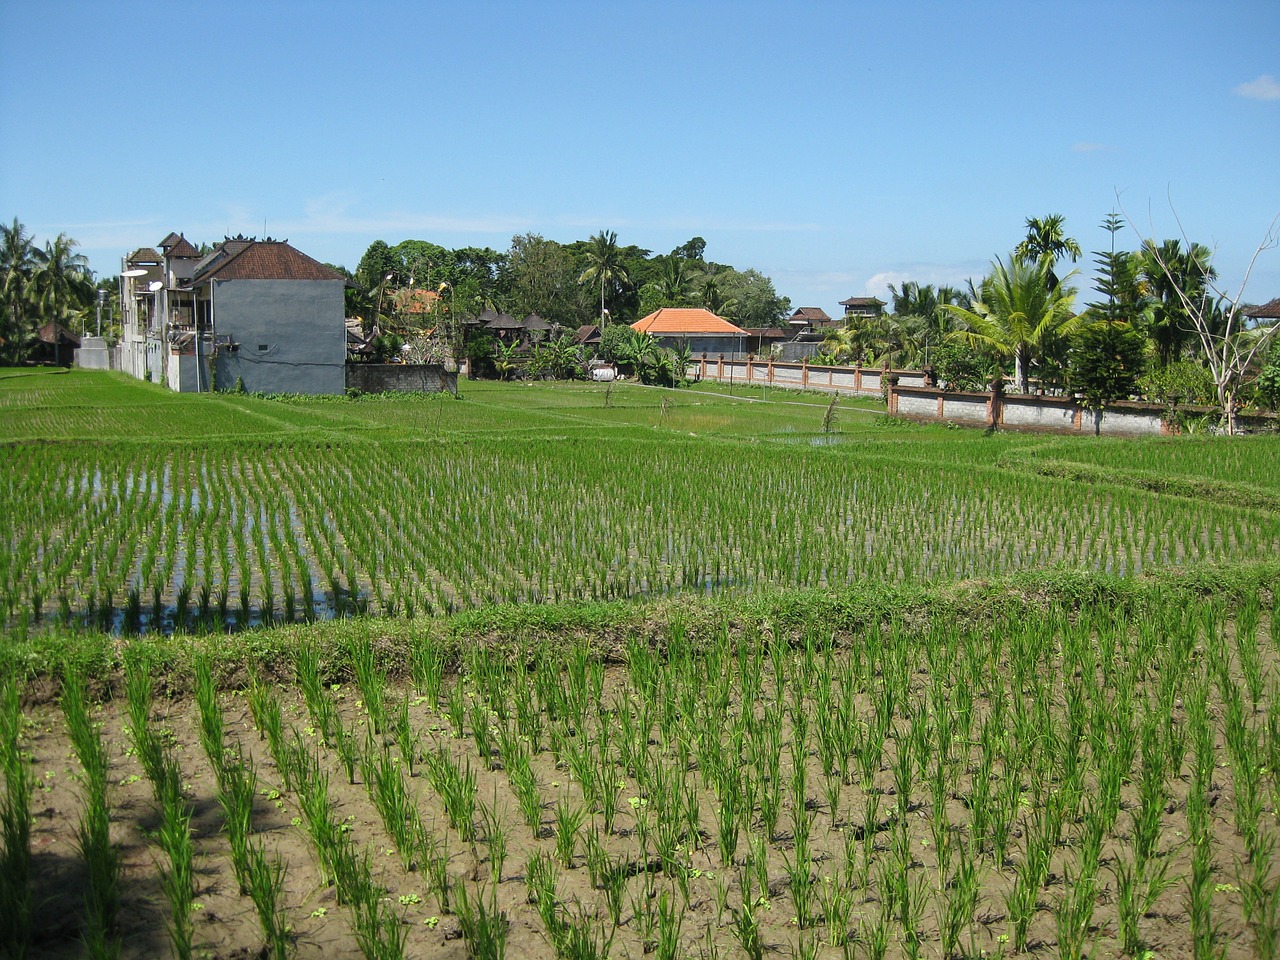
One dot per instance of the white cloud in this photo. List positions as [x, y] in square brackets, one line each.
[937, 274]
[1265, 87]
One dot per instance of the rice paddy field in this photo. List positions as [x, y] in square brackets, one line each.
[587, 671]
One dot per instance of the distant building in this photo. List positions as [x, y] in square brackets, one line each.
[256, 312]
[862, 307]
[808, 320]
[701, 330]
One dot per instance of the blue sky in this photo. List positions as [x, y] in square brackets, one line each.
[833, 146]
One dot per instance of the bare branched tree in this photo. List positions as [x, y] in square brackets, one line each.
[1228, 345]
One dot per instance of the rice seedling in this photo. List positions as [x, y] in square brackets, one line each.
[569, 821]
[266, 884]
[484, 926]
[1138, 886]
[177, 873]
[15, 824]
[93, 839]
[237, 784]
[670, 922]
[371, 678]
[457, 789]
[540, 880]
[745, 923]
[387, 789]
[1261, 895]
[495, 837]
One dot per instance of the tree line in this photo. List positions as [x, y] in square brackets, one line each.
[592, 281]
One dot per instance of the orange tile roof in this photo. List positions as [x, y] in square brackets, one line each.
[415, 300]
[686, 320]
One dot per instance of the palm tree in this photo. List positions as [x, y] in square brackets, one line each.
[715, 300]
[1017, 313]
[843, 344]
[919, 319]
[675, 282]
[63, 279]
[604, 265]
[1045, 238]
[18, 262]
[1167, 269]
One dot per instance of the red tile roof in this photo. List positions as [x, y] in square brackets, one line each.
[261, 260]
[678, 321]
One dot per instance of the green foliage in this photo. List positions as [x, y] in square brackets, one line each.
[1179, 382]
[1106, 363]
[1267, 385]
[961, 368]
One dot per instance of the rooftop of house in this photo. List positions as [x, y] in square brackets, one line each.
[143, 255]
[176, 245]
[862, 302]
[246, 258]
[810, 315]
[688, 321]
[502, 321]
[1268, 311]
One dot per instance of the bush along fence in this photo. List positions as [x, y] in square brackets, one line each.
[857, 380]
[996, 409]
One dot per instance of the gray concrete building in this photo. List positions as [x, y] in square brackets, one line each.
[275, 318]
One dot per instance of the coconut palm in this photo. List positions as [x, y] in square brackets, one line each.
[604, 265]
[1017, 314]
[18, 264]
[715, 299]
[675, 282]
[1045, 238]
[1167, 269]
[63, 279]
[844, 344]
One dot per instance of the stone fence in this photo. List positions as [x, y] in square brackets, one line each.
[858, 380]
[400, 378]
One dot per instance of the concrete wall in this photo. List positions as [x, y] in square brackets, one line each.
[969, 408]
[400, 377]
[1054, 414]
[184, 375]
[289, 334]
[1027, 412]
[93, 354]
[734, 346]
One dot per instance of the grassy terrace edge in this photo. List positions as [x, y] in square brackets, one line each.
[523, 630]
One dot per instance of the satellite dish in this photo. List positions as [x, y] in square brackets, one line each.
[133, 273]
[155, 285]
